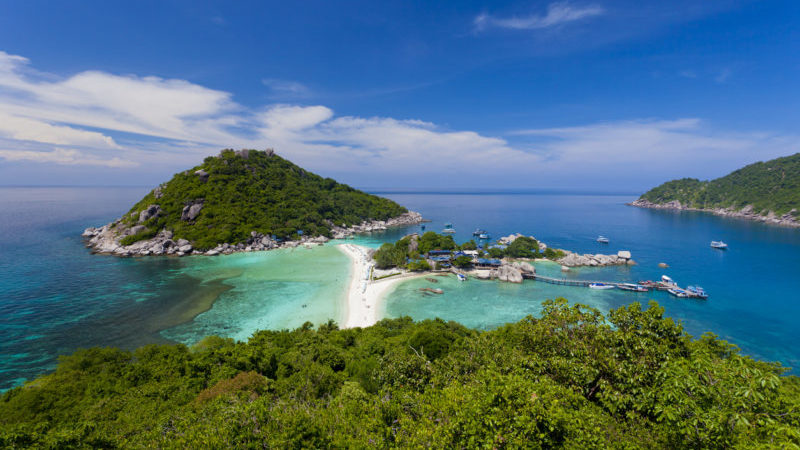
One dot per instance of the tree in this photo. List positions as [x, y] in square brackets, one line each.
[469, 245]
[462, 261]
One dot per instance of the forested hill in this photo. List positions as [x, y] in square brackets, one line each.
[766, 186]
[571, 379]
[231, 195]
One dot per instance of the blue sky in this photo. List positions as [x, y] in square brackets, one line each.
[589, 95]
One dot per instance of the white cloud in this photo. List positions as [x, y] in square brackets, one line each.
[654, 148]
[558, 13]
[64, 157]
[286, 88]
[24, 129]
[171, 124]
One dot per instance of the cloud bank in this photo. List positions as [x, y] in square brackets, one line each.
[118, 122]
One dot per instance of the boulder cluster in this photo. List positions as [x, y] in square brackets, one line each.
[622, 258]
[106, 239]
[511, 272]
[405, 219]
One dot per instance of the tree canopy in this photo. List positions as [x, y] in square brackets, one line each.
[572, 378]
[767, 186]
[258, 191]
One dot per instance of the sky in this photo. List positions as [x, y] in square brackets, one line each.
[596, 95]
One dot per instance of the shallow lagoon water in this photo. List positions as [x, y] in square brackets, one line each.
[57, 297]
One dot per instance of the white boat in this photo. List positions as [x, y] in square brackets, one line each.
[601, 286]
[677, 292]
[719, 244]
[483, 236]
[448, 230]
[668, 281]
[461, 277]
[602, 239]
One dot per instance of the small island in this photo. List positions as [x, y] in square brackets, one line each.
[375, 272]
[245, 200]
[768, 192]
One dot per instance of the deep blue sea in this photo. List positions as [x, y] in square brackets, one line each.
[57, 297]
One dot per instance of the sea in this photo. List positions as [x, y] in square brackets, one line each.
[56, 297]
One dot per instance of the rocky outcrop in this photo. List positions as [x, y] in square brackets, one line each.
[574, 259]
[150, 212]
[202, 174]
[106, 239]
[509, 273]
[192, 210]
[403, 220]
[789, 219]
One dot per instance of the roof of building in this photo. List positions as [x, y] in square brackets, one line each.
[489, 262]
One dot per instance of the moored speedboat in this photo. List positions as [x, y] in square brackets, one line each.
[461, 277]
[483, 236]
[719, 245]
[602, 239]
[478, 232]
[601, 286]
[632, 287]
[677, 292]
[667, 280]
[697, 292]
[448, 228]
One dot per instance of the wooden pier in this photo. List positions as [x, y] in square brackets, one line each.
[586, 283]
[563, 281]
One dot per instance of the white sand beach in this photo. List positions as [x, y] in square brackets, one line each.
[364, 297]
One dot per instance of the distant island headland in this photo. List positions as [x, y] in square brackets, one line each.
[768, 192]
[245, 200]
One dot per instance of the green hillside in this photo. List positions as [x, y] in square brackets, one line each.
[767, 186]
[248, 190]
[572, 379]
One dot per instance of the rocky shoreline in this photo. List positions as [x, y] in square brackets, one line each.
[787, 220]
[106, 239]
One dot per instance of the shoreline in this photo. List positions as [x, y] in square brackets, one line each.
[105, 240]
[787, 220]
[365, 298]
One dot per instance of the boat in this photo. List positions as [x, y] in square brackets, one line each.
[478, 232]
[448, 230]
[483, 236]
[697, 292]
[602, 239]
[601, 286]
[461, 277]
[719, 245]
[632, 287]
[668, 281]
[677, 292]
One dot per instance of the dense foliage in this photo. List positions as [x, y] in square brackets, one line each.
[256, 191]
[570, 379]
[767, 186]
[407, 251]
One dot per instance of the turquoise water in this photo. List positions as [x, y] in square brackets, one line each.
[753, 285]
[57, 297]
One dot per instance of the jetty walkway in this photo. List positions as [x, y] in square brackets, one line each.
[565, 281]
